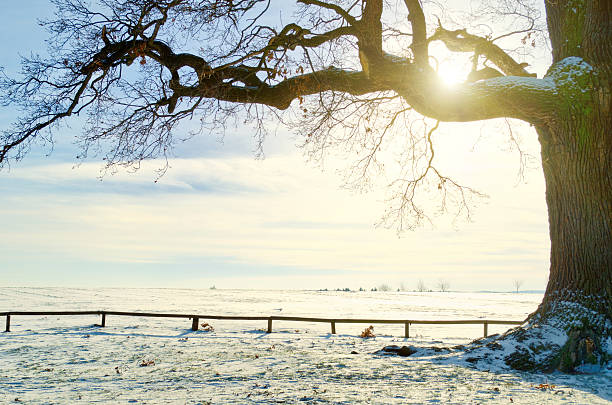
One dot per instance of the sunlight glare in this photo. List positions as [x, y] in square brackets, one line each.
[452, 74]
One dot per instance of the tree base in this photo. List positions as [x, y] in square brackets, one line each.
[570, 339]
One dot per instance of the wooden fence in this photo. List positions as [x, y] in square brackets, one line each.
[195, 319]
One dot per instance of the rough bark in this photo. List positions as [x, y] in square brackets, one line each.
[577, 154]
[579, 198]
[576, 148]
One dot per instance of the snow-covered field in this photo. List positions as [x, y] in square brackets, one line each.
[67, 359]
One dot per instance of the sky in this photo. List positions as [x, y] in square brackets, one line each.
[221, 217]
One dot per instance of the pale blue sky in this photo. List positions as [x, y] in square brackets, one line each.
[220, 217]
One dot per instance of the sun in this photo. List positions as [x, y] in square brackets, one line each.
[452, 74]
[452, 68]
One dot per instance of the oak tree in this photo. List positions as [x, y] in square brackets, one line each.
[351, 72]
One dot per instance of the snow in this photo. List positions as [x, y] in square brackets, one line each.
[572, 73]
[544, 85]
[57, 359]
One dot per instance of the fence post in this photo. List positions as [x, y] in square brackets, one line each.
[194, 323]
[486, 329]
[269, 325]
[333, 326]
[8, 323]
[103, 322]
[407, 330]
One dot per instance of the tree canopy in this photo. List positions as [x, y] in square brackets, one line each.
[353, 72]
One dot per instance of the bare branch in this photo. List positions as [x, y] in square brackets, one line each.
[462, 41]
[223, 60]
[419, 31]
[334, 7]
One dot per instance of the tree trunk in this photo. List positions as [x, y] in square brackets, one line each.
[577, 164]
[577, 156]
[576, 147]
[577, 169]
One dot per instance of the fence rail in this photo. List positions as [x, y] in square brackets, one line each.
[195, 319]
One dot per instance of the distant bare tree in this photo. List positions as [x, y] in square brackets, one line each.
[384, 287]
[443, 285]
[517, 284]
[421, 286]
